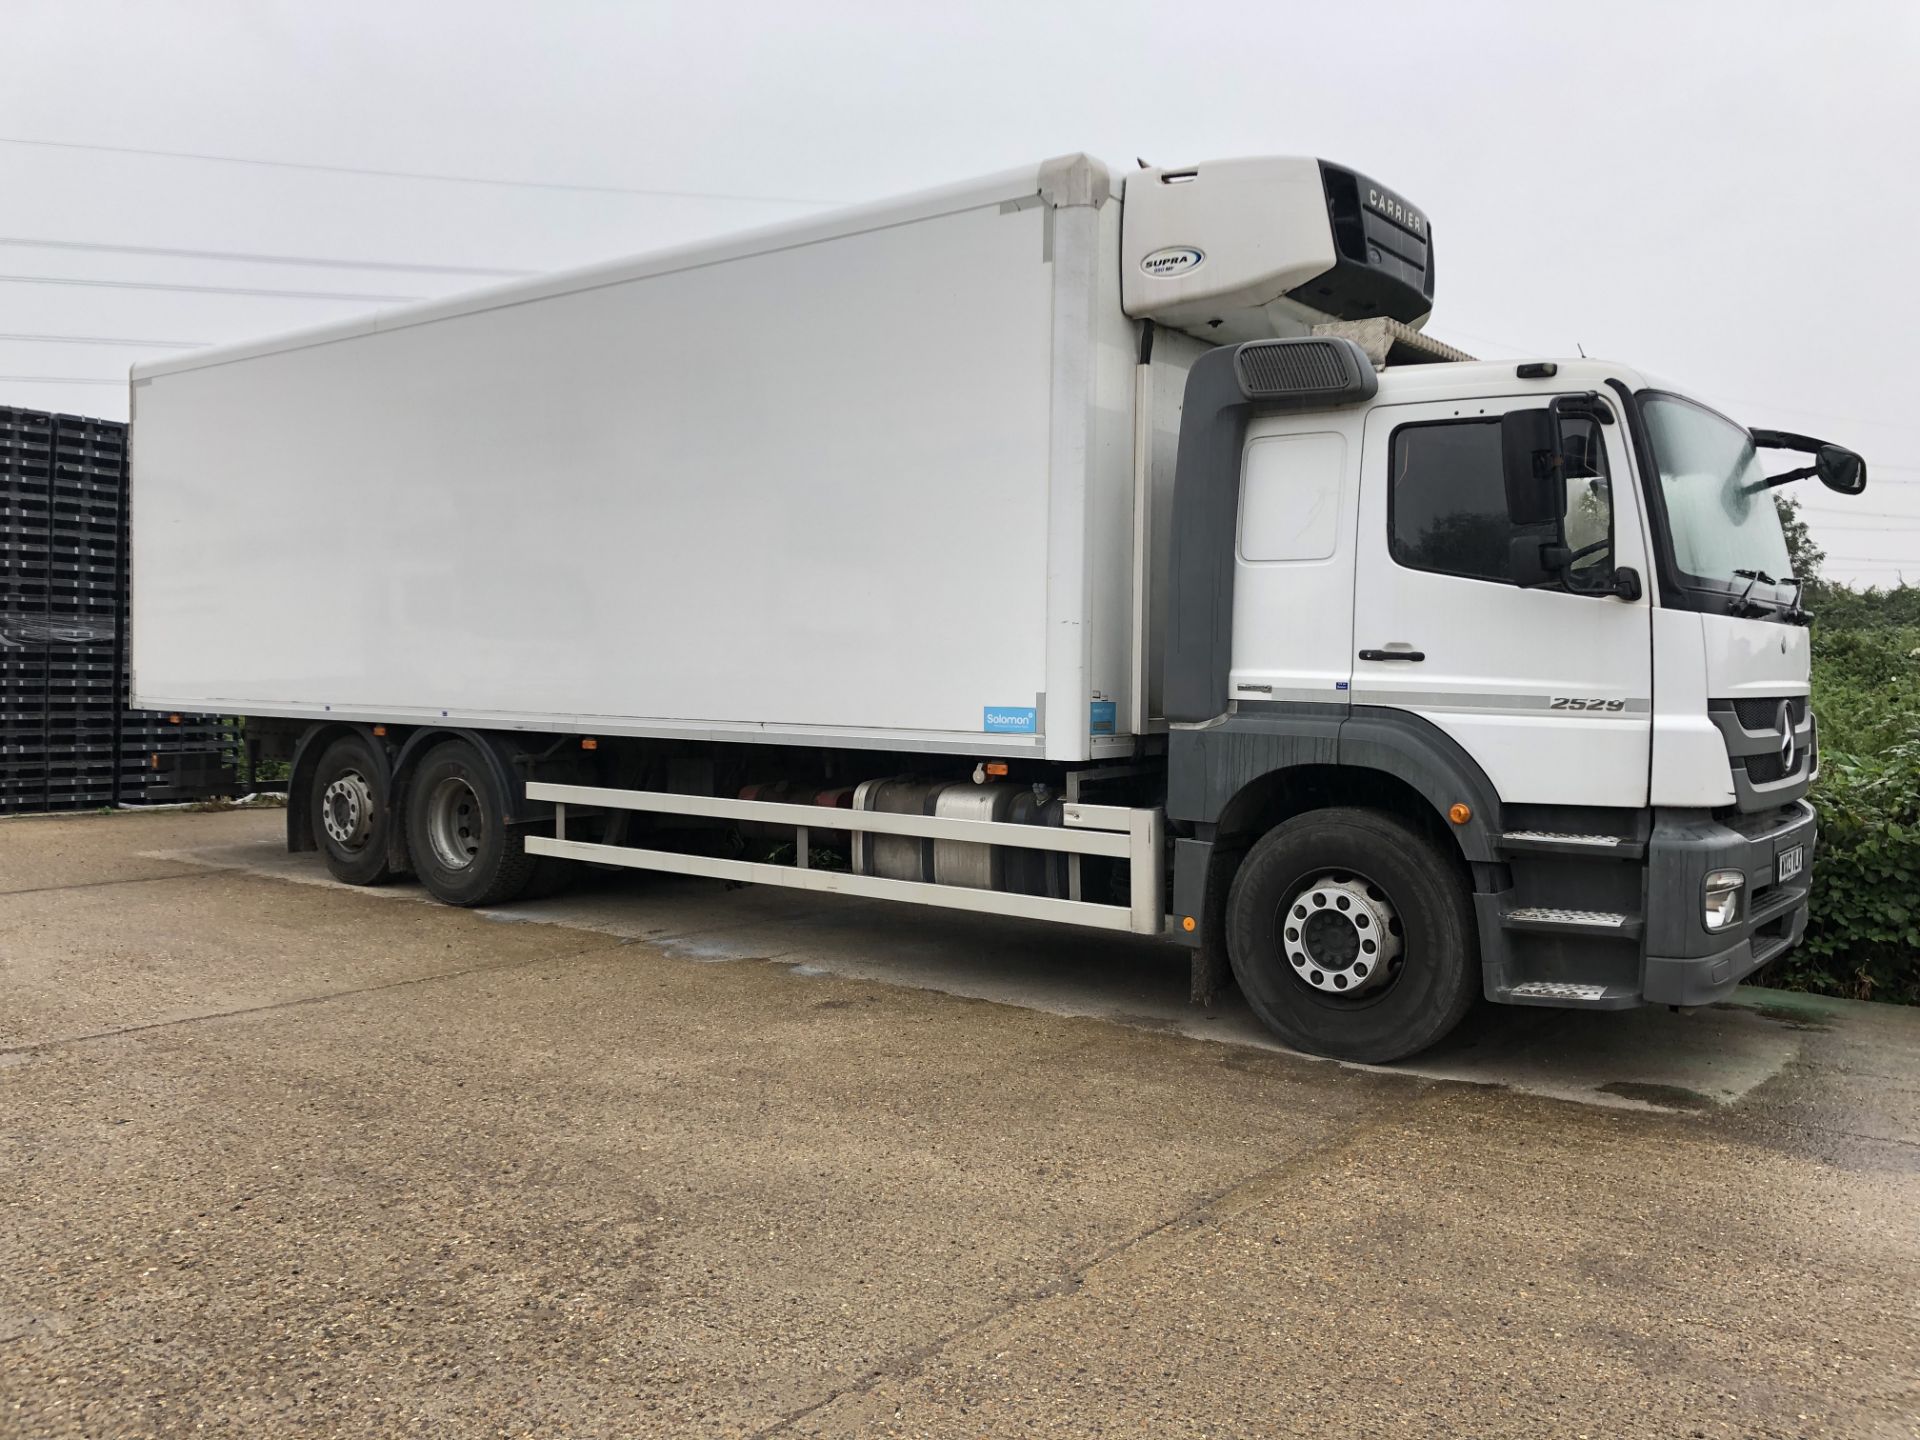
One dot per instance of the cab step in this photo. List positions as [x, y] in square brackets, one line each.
[1547, 920]
[1569, 995]
[1556, 842]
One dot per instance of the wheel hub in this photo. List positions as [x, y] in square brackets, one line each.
[455, 826]
[1341, 936]
[346, 810]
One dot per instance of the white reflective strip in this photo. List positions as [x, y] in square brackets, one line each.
[1407, 698]
[1103, 829]
[1249, 691]
[950, 897]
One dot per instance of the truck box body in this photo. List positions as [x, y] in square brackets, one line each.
[867, 480]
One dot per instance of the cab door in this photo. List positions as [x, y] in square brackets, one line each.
[1293, 560]
[1548, 689]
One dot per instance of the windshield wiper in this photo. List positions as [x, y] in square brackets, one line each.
[1798, 614]
[1744, 605]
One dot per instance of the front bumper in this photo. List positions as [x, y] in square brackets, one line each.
[1687, 964]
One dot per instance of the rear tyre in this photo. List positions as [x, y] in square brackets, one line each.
[457, 834]
[1351, 934]
[352, 819]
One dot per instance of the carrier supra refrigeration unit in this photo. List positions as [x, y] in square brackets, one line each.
[1103, 548]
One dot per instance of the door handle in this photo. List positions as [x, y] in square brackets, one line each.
[1393, 654]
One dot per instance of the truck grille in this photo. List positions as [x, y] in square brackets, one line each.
[1756, 747]
[1295, 366]
[1764, 714]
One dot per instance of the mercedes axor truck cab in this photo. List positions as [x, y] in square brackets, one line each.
[1094, 547]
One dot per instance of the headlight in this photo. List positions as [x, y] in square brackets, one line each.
[1723, 898]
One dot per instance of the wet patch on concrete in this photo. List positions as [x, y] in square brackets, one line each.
[1665, 1097]
[1794, 1017]
[1645, 1060]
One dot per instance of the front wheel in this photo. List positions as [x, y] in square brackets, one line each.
[1351, 934]
[457, 833]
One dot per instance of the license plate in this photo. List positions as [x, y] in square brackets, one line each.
[1790, 862]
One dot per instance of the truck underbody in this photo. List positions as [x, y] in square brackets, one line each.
[1570, 906]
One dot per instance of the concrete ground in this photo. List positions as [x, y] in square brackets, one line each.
[283, 1158]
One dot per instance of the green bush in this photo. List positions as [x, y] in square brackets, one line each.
[1863, 937]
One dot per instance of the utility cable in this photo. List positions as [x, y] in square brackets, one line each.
[249, 257]
[435, 175]
[205, 289]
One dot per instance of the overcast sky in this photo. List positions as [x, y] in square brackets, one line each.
[1725, 194]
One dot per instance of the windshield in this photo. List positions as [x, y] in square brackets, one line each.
[1718, 507]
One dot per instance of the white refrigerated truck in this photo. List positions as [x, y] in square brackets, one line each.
[1110, 549]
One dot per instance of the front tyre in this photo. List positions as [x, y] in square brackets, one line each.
[1351, 934]
[351, 816]
[457, 833]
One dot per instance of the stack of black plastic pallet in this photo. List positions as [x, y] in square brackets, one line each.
[67, 740]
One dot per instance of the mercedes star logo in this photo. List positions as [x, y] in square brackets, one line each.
[1787, 749]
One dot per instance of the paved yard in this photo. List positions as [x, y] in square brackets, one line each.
[282, 1158]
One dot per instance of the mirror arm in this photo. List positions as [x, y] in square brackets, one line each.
[1773, 482]
[1785, 440]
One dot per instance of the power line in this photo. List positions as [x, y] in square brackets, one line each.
[1733, 399]
[1821, 414]
[1489, 340]
[105, 340]
[1856, 514]
[102, 248]
[1902, 535]
[421, 174]
[204, 289]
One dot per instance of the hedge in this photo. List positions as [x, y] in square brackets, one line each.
[1863, 937]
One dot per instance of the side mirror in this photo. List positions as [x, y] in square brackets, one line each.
[1540, 455]
[1536, 495]
[1526, 560]
[1840, 469]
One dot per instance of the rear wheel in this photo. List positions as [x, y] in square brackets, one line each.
[351, 816]
[1351, 935]
[457, 833]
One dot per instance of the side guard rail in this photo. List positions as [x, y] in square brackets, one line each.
[1110, 830]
